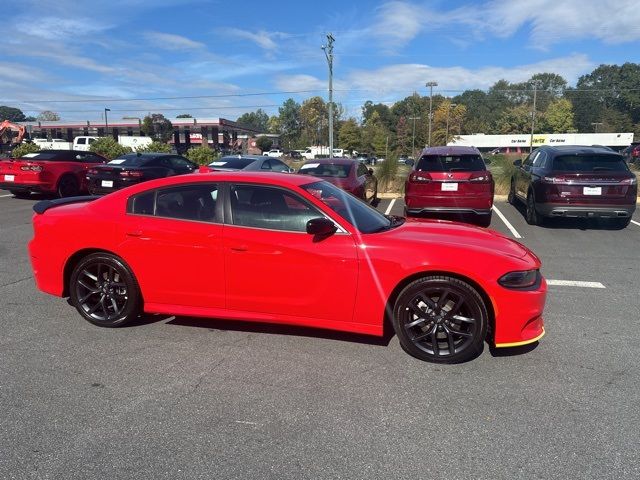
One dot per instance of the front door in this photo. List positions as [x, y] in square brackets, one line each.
[273, 266]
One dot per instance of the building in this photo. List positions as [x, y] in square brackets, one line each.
[219, 133]
[522, 143]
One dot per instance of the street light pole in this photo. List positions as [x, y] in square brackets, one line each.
[430, 85]
[595, 125]
[328, 52]
[106, 122]
[413, 139]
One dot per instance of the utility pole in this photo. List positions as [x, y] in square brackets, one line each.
[413, 140]
[106, 122]
[533, 115]
[328, 52]
[595, 124]
[430, 85]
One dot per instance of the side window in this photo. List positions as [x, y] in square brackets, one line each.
[82, 141]
[266, 165]
[271, 208]
[91, 140]
[180, 163]
[278, 166]
[530, 159]
[538, 161]
[362, 170]
[187, 202]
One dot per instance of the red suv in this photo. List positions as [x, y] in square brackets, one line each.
[450, 180]
[350, 175]
[575, 181]
[58, 172]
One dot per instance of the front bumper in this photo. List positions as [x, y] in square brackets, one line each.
[585, 211]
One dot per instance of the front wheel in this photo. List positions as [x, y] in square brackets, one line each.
[440, 319]
[104, 291]
[511, 198]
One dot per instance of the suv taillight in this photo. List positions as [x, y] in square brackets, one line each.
[92, 171]
[484, 177]
[554, 179]
[420, 177]
[31, 168]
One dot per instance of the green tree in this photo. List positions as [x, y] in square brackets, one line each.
[314, 121]
[258, 120]
[274, 124]
[12, 114]
[289, 120]
[184, 115]
[155, 147]
[558, 118]
[23, 149]
[264, 143]
[109, 148]
[201, 155]
[403, 139]
[384, 113]
[447, 122]
[48, 116]
[157, 127]
[350, 135]
[516, 120]
[376, 135]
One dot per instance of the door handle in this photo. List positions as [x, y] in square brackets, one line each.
[135, 233]
[240, 248]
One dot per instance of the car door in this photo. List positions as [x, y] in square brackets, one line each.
[173, 243]
[523, 175]
[274, 267]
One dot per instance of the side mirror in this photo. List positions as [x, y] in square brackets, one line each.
[321, 226]
[370, 171]
[517, 163]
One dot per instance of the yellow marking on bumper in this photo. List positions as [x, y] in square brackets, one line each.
[519, 344]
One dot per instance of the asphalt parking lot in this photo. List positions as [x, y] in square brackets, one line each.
[185, 398]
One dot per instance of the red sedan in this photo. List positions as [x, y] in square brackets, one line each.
[288, 249]
[350, 175]
[58, 172]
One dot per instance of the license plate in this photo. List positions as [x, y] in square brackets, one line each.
[592, 191]
[9, 178]
[449, 187]
[107, 183]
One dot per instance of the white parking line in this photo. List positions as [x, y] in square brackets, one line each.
[573, 283]
[507, 223]
[10, 195]
[388, 210]
[635, 223]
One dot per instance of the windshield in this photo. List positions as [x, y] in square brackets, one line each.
[365, 218]
[589, 163]
[451, 163]
[326, 170]
[232, 162]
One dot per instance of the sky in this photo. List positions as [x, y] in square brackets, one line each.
[137, 56]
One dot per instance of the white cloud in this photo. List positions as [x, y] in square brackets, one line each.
[169, 41]
[262, 38]
[18, 72]
[292, 83]
[398, 23]
[58, 28]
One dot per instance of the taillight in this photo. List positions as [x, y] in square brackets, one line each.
[132, 174]
[420, 177]
[554, 179]
[629, 181]
[92, 171]
[31, 168]
[481, 178]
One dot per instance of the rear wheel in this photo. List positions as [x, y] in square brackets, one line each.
[68, 187]
[104, 291]
[511, 198]
[440, 319]
[532, 215]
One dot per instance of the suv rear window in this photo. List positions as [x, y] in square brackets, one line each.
[232, 162]
[326, 170]
[451, 163]
[589, 163]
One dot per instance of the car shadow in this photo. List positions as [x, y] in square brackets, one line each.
[213, 324]
[572, 223]
[512, 351]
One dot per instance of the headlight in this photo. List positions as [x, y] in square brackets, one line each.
[522, 279]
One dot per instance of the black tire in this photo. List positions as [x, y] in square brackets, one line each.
[20, 193]
[532, 216]
[440, 319]
[104, 290]
[68, 186]
[511, 198]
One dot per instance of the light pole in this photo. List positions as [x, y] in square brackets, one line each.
[413, 139]
[595, 125]
[430, 85]
[106, 122]
[446, 139]
[328, 52]
[533, 114]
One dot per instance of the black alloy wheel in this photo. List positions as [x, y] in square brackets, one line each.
[440, 319]
[104, 291]
[511, 198]
[68, 186]
[532, 215]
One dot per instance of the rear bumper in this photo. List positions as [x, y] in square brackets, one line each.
[458, 210]
[26, 187]
[586, 211]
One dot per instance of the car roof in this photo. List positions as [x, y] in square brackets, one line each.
[333, 161]
[148, 155]
[450, 150]
[577, 149]
[248, 157]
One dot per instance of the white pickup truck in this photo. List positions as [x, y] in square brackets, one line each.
[274, 152]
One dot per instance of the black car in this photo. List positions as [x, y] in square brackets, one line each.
[254, 163]
[134, 168]
[574, 181]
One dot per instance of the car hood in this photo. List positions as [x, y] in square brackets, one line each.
[459, 234]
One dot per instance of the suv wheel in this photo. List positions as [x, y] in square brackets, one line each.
[511, 198]
[533, 217]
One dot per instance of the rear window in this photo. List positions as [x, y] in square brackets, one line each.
[326, 170]
[232, 162]
[451, 163]
[589, 163]
[130, 161]
[49, 156]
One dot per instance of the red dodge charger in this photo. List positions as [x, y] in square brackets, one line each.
[289, 249]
